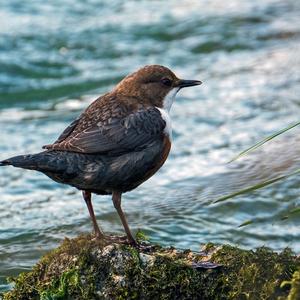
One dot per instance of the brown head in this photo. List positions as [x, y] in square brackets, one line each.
[153, 85]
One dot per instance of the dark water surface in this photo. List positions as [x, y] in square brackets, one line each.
[56, 57]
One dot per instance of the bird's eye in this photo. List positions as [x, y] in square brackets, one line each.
[166, 81]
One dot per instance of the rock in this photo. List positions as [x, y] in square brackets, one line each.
[83, 268]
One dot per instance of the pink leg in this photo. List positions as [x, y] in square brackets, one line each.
[87, 196]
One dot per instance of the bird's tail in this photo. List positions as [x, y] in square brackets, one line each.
[43, 162]
[5, 162]
[20, 161]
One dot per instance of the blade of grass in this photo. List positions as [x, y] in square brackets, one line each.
[248, 222]
[294, 211]
[258, 144]
[255, 187]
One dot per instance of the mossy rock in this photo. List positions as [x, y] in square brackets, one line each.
[83, 268]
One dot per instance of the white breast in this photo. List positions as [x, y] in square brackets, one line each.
[166, 117]
[167, 104]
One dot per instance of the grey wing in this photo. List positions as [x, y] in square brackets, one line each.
[117, 136]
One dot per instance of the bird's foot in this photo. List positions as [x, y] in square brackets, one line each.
[108, 239]
[98, 237]
[130, 242]
[116, 239]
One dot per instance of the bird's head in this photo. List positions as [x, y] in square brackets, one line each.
[154, 85]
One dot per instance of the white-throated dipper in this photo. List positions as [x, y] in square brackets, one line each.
[117, 143]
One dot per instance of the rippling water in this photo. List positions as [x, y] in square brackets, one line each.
[55, 58]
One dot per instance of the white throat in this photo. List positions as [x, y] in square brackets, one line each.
[167, 104]
[169, 99]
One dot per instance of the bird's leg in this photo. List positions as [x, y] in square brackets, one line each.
[116, 197]
[88, 200]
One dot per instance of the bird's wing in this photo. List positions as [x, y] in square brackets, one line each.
[67, 131]
[116, 136]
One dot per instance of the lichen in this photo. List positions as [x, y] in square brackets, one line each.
[84, 268]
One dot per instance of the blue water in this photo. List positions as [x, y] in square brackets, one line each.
[56, 57]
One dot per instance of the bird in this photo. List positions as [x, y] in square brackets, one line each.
[116, 144]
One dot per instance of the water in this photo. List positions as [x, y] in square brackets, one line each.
[55, 58]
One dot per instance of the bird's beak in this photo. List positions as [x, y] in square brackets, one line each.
[181, 83]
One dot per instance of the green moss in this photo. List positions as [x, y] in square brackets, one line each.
[62, 288]
[57, 274]
[85, 269]
[255, 274]
[294, 285]
[141, 236]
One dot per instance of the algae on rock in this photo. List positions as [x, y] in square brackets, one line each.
[82, 268]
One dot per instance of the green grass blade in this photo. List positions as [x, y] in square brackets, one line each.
[293, 211]
[296, 210]
[248, 222]
[290, 213]
[264, 141]
[256, 187]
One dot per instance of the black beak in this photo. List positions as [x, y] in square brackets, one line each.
[181, 83]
